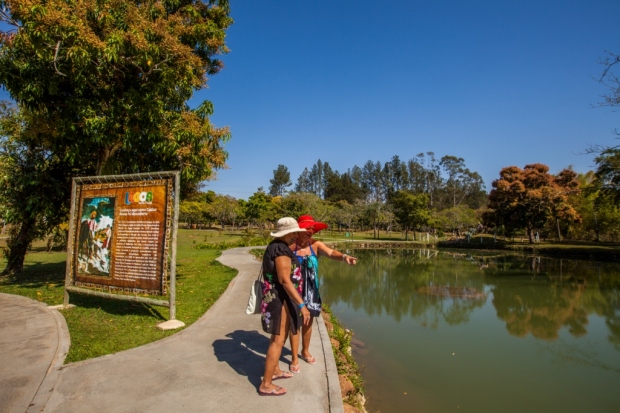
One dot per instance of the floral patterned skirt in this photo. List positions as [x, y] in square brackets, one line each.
[274, 299]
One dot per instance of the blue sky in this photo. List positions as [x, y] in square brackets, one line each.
[497, 83]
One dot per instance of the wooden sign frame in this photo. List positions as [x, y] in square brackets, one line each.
[122, 237]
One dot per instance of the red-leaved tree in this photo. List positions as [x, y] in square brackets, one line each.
[527, 198]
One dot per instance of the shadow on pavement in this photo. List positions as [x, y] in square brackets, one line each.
[245, 353]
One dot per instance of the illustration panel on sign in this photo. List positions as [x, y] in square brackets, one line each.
[95, 236]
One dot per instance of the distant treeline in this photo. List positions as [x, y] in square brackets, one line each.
[423, 194]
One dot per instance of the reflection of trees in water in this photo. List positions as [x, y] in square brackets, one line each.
[540, 295]
[528, 308]
[532, 295]
[612, 317]
[390, 281]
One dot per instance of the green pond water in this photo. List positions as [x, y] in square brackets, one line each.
[441, 331]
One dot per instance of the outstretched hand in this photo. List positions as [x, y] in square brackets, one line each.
[350, 260]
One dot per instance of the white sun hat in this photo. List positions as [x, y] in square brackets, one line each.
[286, 226]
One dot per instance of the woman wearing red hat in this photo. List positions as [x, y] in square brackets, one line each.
[307, 250]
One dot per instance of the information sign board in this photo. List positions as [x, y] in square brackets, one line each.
[121, 235]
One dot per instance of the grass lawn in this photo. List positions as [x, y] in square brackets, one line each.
[100, 326]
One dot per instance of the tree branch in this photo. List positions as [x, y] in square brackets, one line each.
[5, 16]
[608, 63]
[155, 67]
[56, 58]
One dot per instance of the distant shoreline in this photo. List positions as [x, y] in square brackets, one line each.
[566, 249]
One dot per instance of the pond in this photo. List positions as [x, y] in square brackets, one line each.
[457, 331]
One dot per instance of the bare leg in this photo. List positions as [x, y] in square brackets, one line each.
[295, 350]
[272, 359]
[306, 334]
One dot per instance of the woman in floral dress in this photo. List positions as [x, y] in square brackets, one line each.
[282, 308]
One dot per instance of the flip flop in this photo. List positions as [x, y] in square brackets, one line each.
[278, 391]
[283, 375]
[309, 360]
[294, 369]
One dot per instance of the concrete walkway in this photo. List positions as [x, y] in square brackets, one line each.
[214, 365]
[34, 341]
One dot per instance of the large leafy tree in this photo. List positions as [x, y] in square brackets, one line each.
[302, 203]
[303, 182]
[424, 174]
[608, 173]
[461, 183]
[225, 209]
[526, 198]
[32, 183]
[101, 87]
[194, 212]
[456, 219]
[344, 214]
[599, 212]
[411, 210]
[395, 176]
[608, 157]
[342, 188]
[372, 181]
[280, 182]
[317, 179]
[260, 208]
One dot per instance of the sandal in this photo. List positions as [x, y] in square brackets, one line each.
[283, 375]
[309, 360]
[278, 391]
[294, 369]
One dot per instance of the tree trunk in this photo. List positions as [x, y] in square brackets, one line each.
[530, 235]
[18, 244]
[598, 234]
[105, 154]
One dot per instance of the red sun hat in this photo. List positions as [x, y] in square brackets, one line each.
[306, 221]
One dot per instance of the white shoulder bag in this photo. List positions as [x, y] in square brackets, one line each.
[256, 294]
